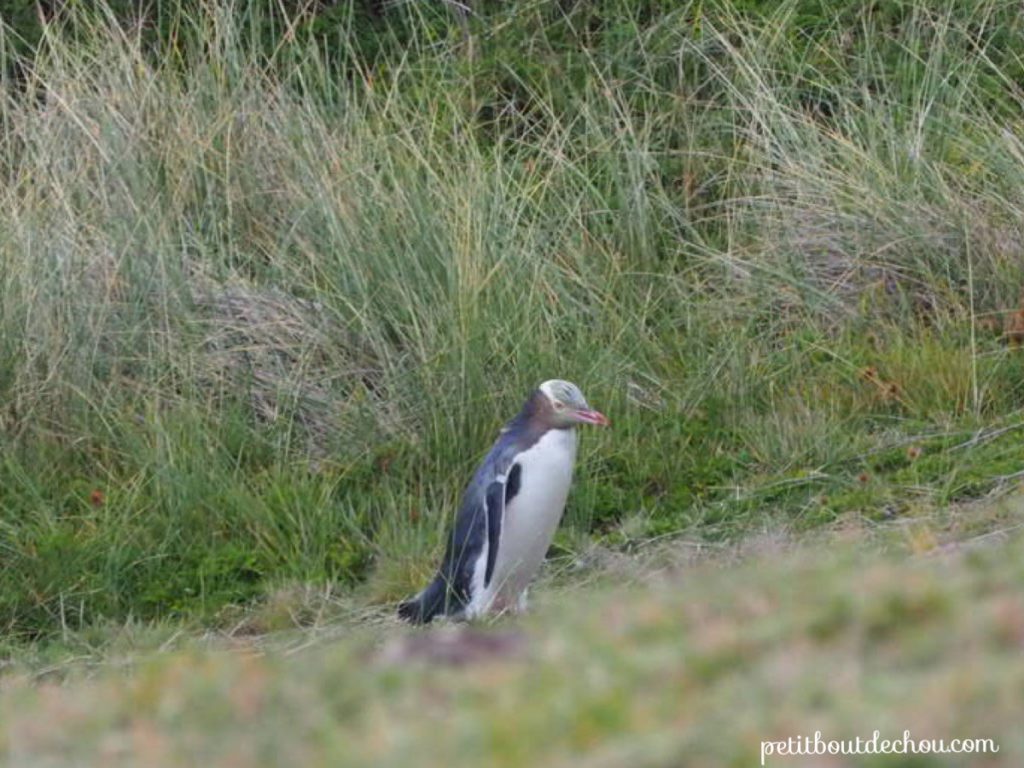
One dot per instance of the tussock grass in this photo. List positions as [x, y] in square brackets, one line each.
[259, 315]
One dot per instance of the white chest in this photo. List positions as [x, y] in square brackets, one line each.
[532, 516]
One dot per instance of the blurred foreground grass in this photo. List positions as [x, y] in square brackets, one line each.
[678, 657]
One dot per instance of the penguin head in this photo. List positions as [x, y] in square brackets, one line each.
[568, 406]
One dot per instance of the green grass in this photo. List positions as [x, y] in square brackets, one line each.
[269, 287]
[674, 658]
[261, 315]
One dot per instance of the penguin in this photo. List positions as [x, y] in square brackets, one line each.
[509, 511]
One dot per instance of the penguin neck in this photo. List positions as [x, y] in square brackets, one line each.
[536, 417]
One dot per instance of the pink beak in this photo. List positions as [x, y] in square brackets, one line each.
[591, 417]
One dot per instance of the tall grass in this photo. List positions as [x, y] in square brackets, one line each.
[261, 315]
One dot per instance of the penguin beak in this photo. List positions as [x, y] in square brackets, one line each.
[585, 416]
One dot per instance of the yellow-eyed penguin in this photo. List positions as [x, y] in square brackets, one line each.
[510, 510]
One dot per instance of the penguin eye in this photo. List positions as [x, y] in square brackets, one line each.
[559, 405]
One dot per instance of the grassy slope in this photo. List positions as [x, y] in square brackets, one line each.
[676, 659]
[253, 323]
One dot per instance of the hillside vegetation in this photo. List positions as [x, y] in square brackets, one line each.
[263, 305]
[680, 660]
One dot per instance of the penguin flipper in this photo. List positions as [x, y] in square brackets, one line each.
[499, 494]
